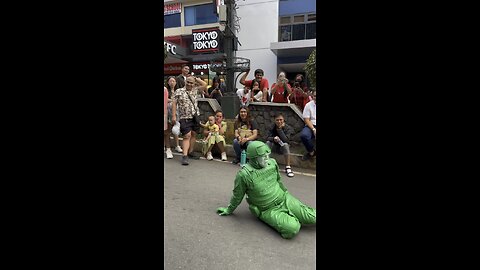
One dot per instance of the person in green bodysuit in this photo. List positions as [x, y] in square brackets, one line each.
[267, 197]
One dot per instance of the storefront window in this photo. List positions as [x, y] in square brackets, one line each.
[297, 27]
[170, 21]
[298, 31]
[200, 14]
[311, 31]
[286, 33]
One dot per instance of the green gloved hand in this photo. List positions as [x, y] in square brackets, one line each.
[223, 211]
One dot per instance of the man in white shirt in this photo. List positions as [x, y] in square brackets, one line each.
[309, 132]
[244, 95]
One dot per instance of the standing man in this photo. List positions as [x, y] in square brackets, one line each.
[182, 77]
[279, 140]
[185, 99]
[263, 82]
[309, 132]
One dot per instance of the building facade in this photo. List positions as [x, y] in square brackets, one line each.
[276, 35]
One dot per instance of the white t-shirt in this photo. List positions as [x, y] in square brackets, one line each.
[310, 111]
[258, 97]
[244, 98]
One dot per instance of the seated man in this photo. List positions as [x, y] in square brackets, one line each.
[309, 132]
[267, 197]
[279, 140]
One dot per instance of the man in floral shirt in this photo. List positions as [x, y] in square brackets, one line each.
[185, 99]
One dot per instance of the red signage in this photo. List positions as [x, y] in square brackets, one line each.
[172, 69]
[172, 8]
[176, 68]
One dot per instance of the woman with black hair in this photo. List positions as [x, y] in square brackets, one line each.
[245, 131]
[216, 91]
[300, 91]
[175, 129]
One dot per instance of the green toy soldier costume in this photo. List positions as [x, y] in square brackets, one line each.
[267, 197]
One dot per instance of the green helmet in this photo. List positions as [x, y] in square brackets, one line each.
[257, 149]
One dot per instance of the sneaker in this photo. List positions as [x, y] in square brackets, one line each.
[178, 149]
[169, 153]
[224, 156]
[209, 156]
[184, 160]
[193, 155]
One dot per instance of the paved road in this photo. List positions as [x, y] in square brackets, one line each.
[197, 238]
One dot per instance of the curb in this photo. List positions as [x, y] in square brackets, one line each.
[295, 159]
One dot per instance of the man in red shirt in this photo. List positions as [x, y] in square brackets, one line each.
[259, 78]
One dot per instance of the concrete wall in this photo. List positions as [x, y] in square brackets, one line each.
[258, 28]
[263, 113]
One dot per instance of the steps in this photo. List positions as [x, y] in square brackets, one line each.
[295, 158]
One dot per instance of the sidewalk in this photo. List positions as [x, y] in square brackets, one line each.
[295, 158]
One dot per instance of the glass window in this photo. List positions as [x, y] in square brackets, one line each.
[284, 20]
[312, 17]
[298, 32]
[286, 33]
[172, 20]
[200, 14]
[311, 31]
[300, 18]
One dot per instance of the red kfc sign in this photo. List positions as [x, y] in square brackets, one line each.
[172, 8]
[172, 69]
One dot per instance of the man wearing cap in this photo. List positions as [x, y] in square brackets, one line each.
[263, 82]
[267, 197]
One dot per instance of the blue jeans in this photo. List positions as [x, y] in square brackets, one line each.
[238, 148]
[307, 138]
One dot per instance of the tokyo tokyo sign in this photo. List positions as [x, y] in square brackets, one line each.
[205, 40]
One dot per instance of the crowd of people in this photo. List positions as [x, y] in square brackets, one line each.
[182, 116]
[282, 91]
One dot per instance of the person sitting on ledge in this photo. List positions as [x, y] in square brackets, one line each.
[279, 140]
[245, 131]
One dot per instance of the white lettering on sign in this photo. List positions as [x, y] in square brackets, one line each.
[200, 45]
[170, 47]
[169, 9]
[206, 40]
[200, 66]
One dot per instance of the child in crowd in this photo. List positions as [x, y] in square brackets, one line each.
[212, 128]
[212, 138]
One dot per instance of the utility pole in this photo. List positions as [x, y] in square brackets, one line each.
[228, 44]
[230, 101]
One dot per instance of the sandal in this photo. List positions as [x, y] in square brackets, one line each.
[289, 171]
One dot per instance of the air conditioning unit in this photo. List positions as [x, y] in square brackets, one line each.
[222, 13]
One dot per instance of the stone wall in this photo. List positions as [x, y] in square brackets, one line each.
[207, 107]
[263, 113]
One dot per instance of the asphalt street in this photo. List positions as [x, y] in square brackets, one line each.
[196, 237]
